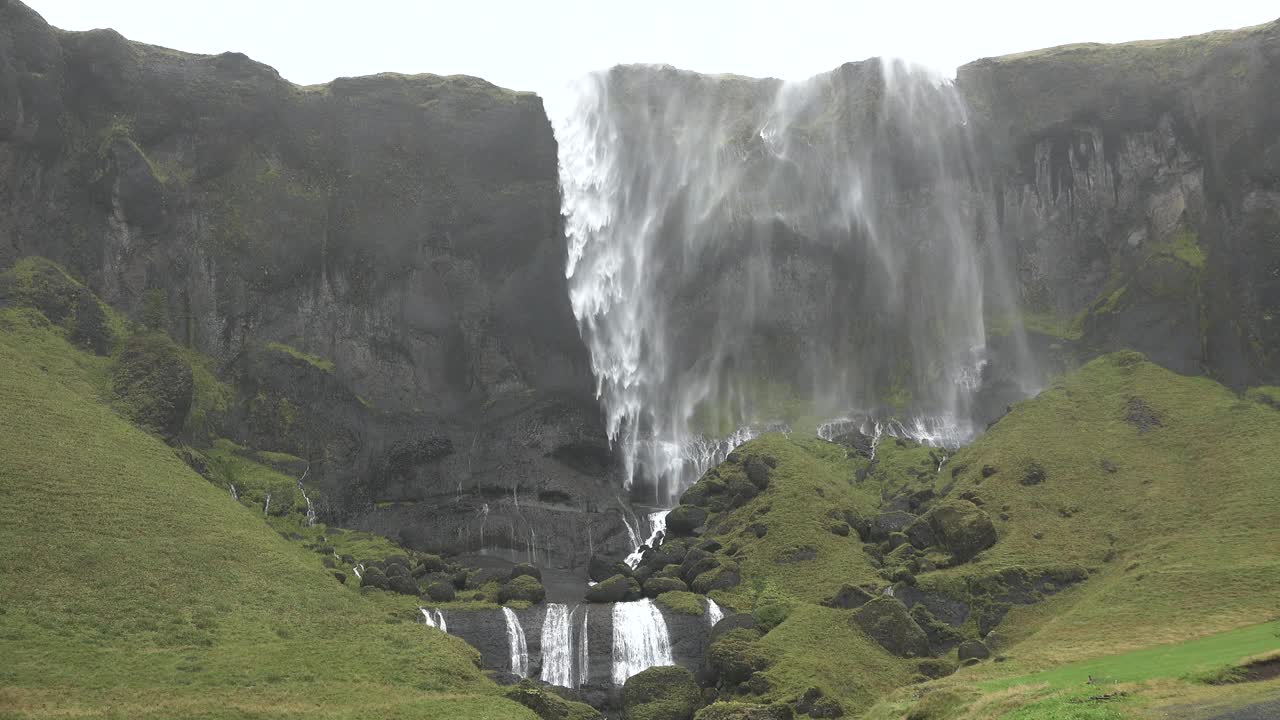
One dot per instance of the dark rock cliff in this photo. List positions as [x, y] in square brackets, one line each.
[1140, 186]
[398, 238]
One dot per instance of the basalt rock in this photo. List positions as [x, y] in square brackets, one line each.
[376, 267]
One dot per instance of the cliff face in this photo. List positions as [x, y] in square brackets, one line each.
[399, 238]
[1140, 184]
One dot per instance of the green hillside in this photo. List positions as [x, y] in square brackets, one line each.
[134, 588]
[1132, 507]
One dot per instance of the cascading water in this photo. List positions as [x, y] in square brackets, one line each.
[516, 643]
[311, 509]
[658, 526]
[557, 646]
[584, 648]
[640, 639]
[714, 613]
[744, 251]
[435, 619]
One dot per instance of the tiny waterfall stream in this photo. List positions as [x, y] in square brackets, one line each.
[516, 643]
[640, 639]
[434, 618]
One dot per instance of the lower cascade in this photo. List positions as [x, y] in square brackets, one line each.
[434, 618]
[714, 613]
[516, 643]
[640, 639]
[557, 646]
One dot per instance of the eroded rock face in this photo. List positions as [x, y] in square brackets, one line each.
[405, 231]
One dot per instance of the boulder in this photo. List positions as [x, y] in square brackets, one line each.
[403, 584]
[525, 569]
[653, 587]
[934, 668]
[613, 589]
[816, 705]
[661, 693]
[441, 591]
[697, 562]
[549, 706]
[722, 578]
[685, 519]
[973, 649]
[734, 656]
[962, 528]
[153, 383]
[373, 577]
[522, 587]
[729, 623]
[758, 472]
[849, 597]
[887, 621]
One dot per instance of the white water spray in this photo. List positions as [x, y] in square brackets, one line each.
[742, 250]
[584, 649]
[557, 646]
[516, 643]
[311, 509]
[640, 639]
[435, 619]
[714, 613]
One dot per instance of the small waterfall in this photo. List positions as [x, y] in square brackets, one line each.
[657, 525]
[358, 571]
[435, 619]
[932, 430]
[516, 642]
[640, 639]
[584, 651]
[714, 613]
[557, 646]
[234, 495]
[311, 509]
[267, 505]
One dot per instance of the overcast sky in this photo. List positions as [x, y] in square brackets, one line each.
[542, 46]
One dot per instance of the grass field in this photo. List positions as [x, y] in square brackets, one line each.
[133, 588]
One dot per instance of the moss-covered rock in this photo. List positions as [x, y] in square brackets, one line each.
[153, 384]
[522, 587]
[655, 586]
[685, 519]
[887, 621]
[525, 569]
[614, 589]
[849, 597]
[685, 603]
[374, 578]
[549, 706]
[724, 577]
[41, 284]
[745, 711]
[440, 591]
[660, 693]
[973, 649]
[735, 655]
[960, 527]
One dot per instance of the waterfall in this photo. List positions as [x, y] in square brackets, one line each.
[938, 431]
[234, 495]
[557, 646]
[311, 509]
[657, 525]
[584, 649]
[267, 505]
[640, 639]
[434, 618]
[714, 613]
[516, 643]
[744, 250]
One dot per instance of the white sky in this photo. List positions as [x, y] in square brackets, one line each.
[542, 46]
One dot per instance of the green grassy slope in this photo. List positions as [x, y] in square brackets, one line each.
[1179, 525]
[1162, 487]
[134, 588]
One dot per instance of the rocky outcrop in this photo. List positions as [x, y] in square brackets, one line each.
[399, 236]
[1137, 185]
